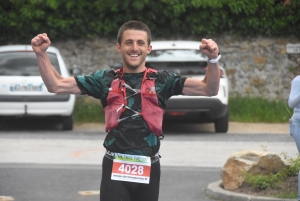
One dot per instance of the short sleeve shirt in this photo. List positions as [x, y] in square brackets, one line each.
[131, 136]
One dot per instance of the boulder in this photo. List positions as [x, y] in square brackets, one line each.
[249, 161]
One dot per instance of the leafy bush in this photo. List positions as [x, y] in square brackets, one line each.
[261, 182]
[294, 166]
[20, 20]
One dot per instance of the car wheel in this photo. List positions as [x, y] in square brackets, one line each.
[221, 125]
[67, 123]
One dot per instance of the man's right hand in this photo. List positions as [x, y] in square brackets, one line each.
[40, 43]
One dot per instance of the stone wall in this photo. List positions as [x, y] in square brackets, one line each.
[258, 67]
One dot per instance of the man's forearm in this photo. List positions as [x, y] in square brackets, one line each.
[212, 78]
[48, 73]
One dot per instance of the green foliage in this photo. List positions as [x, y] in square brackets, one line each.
[241, 109]
[87, 111]
[261, 182]
[20, 20]
[255, 109]
[294, 166]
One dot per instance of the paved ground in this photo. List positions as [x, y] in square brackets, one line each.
[212, 153]
[234, 127]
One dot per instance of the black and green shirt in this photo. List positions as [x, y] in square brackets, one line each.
[131, 136]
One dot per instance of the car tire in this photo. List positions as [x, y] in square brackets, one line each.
[67, 123]
[221, 125]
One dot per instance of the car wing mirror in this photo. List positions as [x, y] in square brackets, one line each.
[117, 65]
[75, 71]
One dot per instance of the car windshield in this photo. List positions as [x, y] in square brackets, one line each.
[23, 63]
[176, 55]
[184, 62]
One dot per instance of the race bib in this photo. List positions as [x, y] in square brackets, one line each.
[131, 168]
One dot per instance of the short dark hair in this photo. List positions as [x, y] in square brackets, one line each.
[134, 25]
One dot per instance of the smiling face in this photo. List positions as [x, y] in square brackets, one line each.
[134, 49]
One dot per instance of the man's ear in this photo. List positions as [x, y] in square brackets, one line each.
[149, 49]
[118, 47]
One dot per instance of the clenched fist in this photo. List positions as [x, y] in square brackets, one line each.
[209, 48]
[40, 43]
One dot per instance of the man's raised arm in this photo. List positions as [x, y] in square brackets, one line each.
[54, 82]
[209, 86]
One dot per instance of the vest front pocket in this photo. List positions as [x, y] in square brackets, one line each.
[113, 109]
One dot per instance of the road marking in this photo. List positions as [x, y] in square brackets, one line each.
[88, 193]
[6, 198]
[79, 153]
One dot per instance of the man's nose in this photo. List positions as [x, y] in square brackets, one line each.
[134, 46]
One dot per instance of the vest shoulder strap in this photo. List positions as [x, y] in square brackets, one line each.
[151, 73]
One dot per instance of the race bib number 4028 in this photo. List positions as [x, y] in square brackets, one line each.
[131, 168]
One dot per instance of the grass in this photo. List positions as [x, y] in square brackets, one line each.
[254, 110]
[88, 110]
[241, 109]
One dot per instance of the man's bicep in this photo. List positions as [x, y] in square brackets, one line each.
[69, 85]
[194, 87]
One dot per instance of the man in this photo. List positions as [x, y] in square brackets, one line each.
[133, 99]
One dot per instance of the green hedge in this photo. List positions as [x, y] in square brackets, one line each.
[20, 20]
[241, 109]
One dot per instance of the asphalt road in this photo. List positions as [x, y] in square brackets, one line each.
[44, 163]
[40, 182]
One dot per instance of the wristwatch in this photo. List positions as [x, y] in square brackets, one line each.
[213, 61]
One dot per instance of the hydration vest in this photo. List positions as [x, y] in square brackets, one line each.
[117, 102]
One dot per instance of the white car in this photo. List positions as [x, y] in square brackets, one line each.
[22, 91]
[185, 58]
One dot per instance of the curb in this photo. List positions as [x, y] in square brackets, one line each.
[214, 191]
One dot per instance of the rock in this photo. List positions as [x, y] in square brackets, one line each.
[249, 161]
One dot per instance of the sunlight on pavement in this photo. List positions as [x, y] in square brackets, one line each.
[87, 193]
[6, 198]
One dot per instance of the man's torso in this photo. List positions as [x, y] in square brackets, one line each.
[131, 136]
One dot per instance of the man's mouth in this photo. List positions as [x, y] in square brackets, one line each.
[133, 55]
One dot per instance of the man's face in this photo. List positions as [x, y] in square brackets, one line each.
[134, 49]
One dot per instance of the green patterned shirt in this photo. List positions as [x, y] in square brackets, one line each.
[131, 136]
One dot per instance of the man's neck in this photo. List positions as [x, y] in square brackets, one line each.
[137, 70]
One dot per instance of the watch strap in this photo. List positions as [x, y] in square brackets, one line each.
[213, 61]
